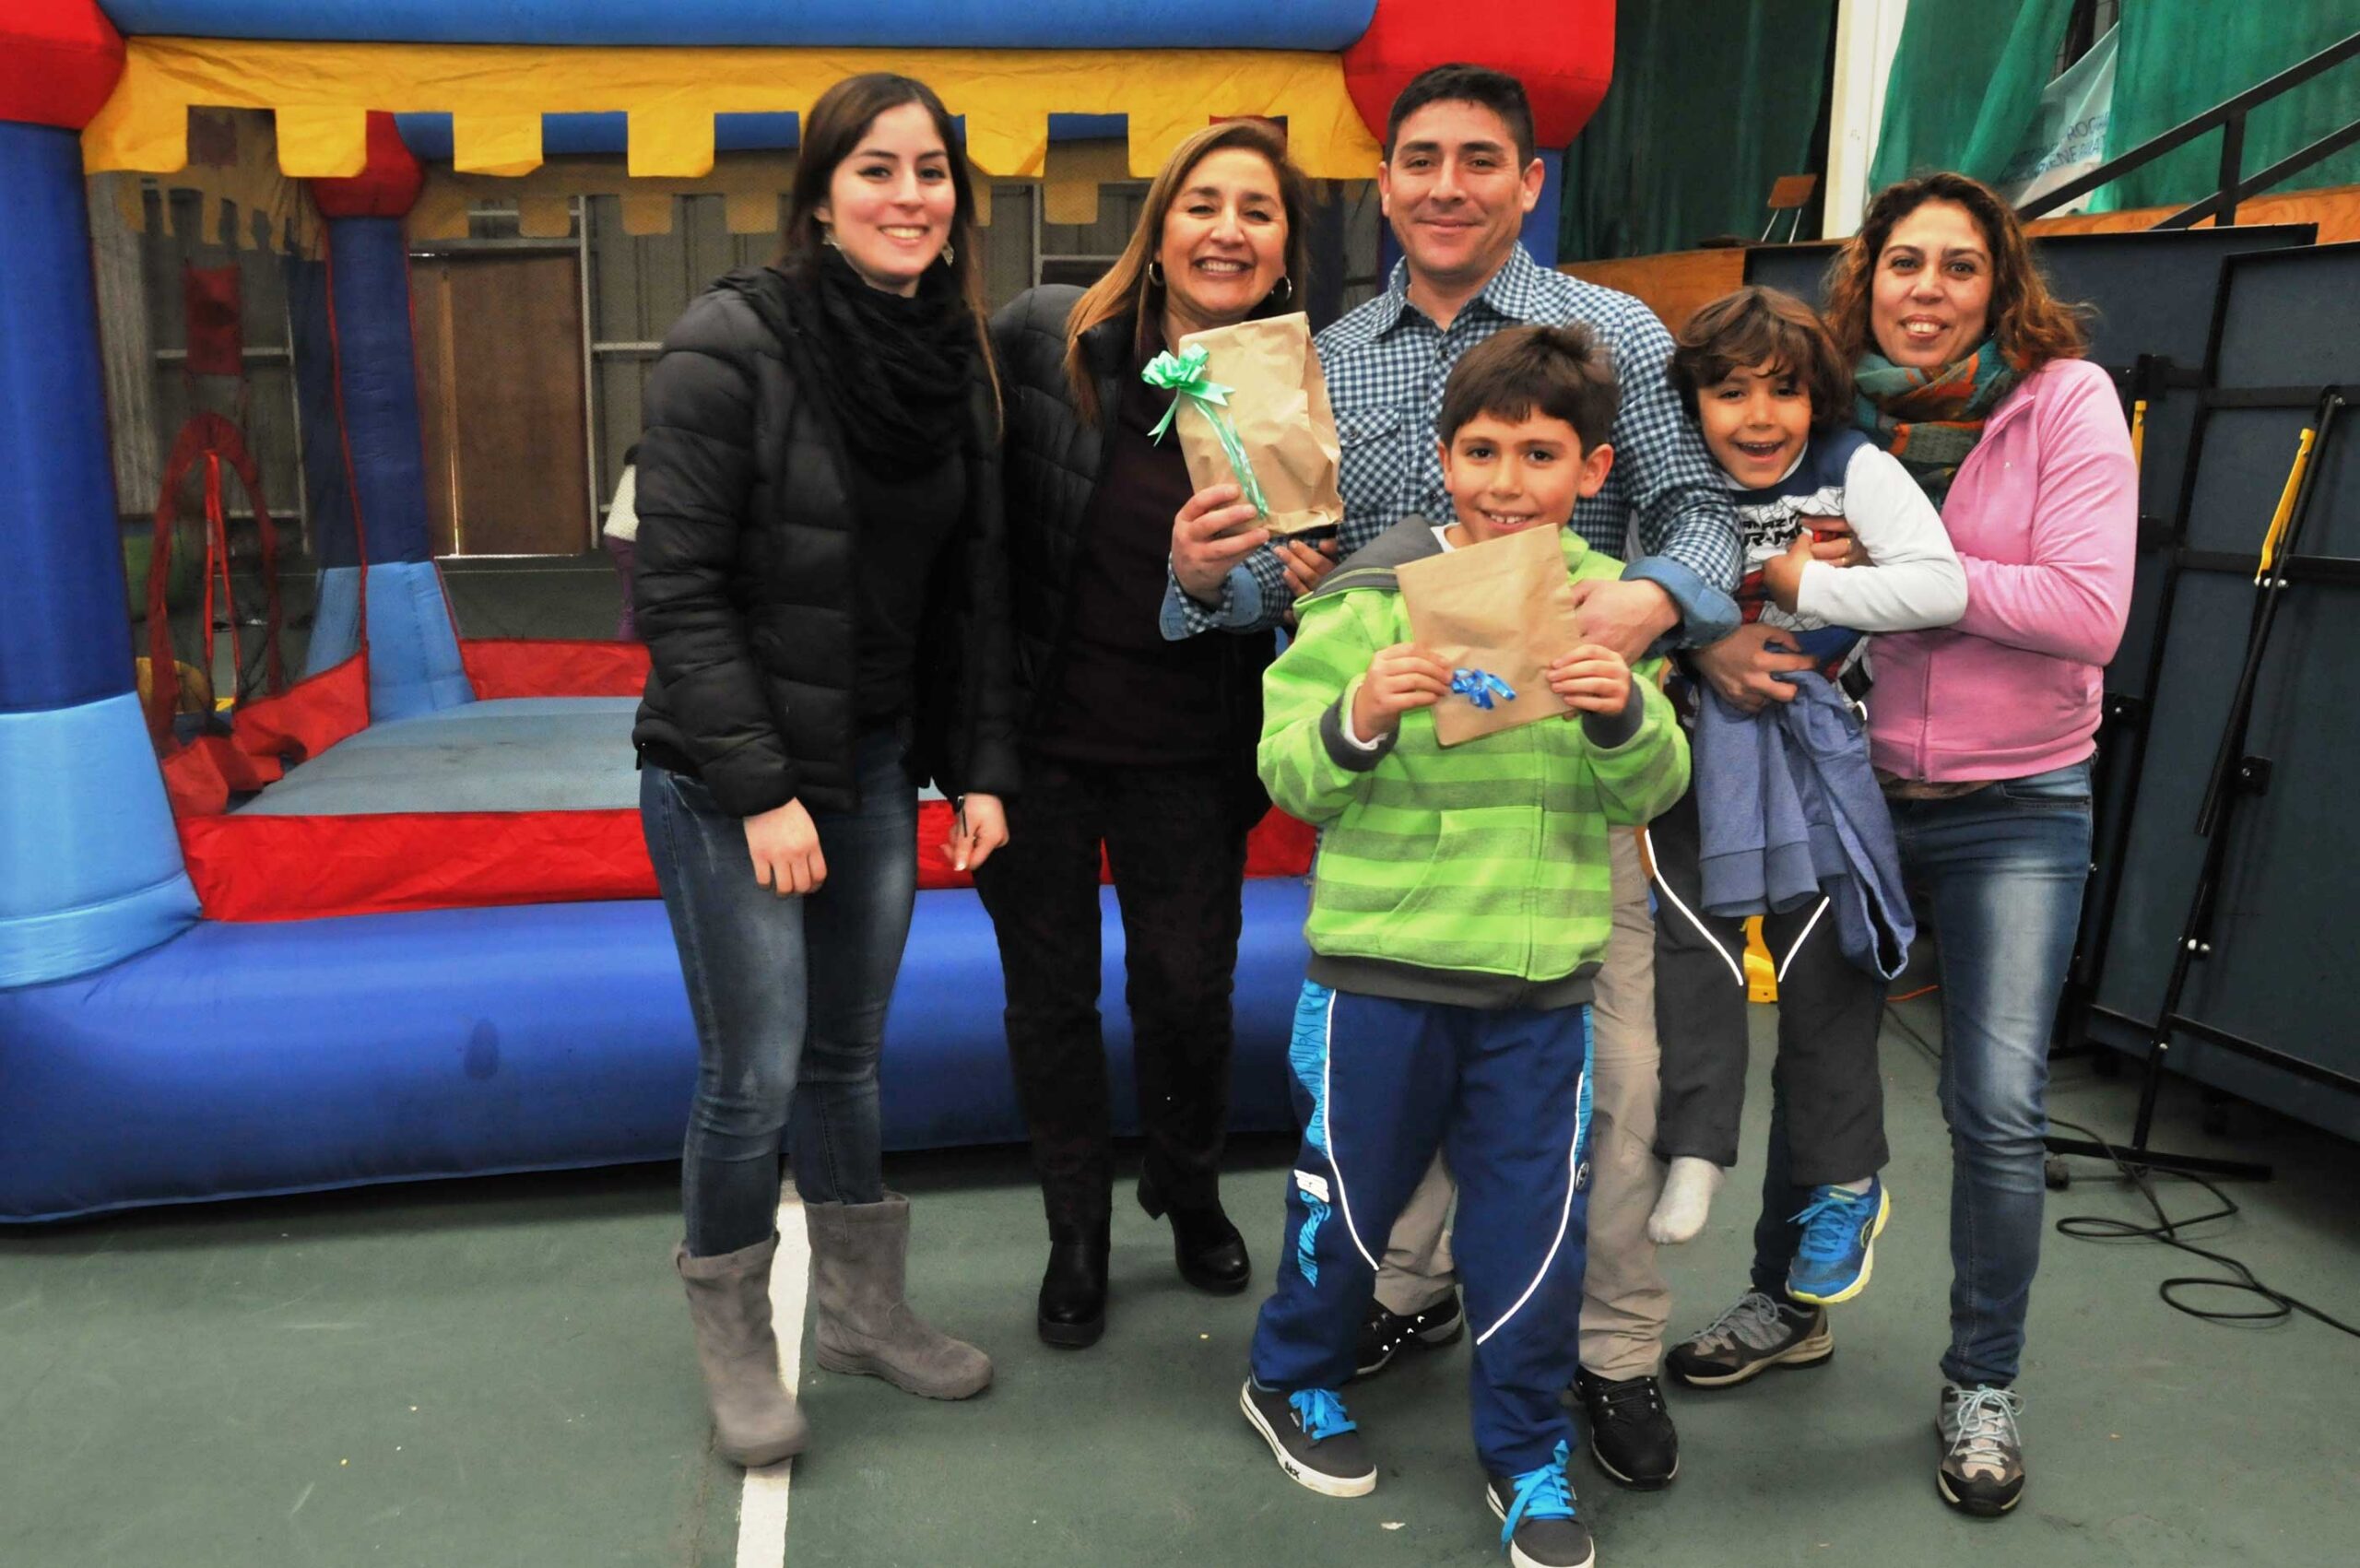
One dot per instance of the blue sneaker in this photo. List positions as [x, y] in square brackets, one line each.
[1539, 1526]
[1840, 1230]
[1314, 1441]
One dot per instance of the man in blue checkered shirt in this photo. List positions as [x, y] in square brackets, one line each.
[1460, 175]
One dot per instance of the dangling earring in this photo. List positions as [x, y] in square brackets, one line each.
[828, 236]
[1284, 291]
[1155, 273]
[948, 254]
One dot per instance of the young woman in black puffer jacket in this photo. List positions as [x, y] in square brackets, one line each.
[822, 586]
[1137, 737]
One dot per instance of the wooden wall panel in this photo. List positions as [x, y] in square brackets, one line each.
[503, 400]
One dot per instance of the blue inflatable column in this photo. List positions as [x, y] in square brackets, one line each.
[1541, 224]
[414, 666]
[89, 865]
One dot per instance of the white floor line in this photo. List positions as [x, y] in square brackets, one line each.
[762, 1508]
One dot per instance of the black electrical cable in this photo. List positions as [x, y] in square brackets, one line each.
[2282, 1307]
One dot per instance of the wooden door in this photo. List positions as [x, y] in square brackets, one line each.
[502, 402]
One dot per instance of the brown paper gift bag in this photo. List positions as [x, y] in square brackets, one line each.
[1505, 607]
[1277, 401]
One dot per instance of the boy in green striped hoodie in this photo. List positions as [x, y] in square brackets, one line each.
[1459, 909]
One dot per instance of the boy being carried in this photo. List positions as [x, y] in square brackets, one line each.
[1764, 380]
[1460, 908]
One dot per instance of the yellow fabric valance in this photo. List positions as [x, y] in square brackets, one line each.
[321, 94]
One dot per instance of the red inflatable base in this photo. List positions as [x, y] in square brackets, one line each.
[256, 868]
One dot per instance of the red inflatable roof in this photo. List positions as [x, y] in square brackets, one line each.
[1562, 52]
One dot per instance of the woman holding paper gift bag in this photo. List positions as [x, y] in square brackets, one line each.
[822, 588]
[1134, 742]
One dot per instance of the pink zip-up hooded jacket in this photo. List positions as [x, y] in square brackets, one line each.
[2044, 516]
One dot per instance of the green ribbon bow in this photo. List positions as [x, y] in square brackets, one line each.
[1184, 374]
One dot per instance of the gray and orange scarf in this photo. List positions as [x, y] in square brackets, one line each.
[1931, 420]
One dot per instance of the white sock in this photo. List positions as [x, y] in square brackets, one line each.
[1861, 1185]
[1687, 1199]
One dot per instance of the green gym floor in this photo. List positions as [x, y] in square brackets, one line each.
[498, 1372]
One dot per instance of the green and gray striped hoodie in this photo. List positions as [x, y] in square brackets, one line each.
[1477, 874]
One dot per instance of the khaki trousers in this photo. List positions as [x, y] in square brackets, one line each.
[1624, 1301]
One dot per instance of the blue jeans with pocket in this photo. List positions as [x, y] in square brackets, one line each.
[2002, 871]
[790, 994]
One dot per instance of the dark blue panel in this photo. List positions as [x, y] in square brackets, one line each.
[314, 362]
[241, 1060]
[63, 635]
[1540, 223]
[429, 136]
[369, 270]
[1088, 128]
[1326, 25]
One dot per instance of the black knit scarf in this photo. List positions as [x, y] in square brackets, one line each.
[894, 369]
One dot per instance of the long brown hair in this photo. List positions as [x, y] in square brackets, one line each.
[1128, 287]
[833, 131]
[2032, 324]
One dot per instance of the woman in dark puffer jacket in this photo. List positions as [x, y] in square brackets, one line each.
[822, 586]
[1136, 738]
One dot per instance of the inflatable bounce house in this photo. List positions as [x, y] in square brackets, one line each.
[396, 922]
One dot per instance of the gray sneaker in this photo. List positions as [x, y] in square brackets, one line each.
[1982, 1471]
[1749, 1340]
[1314, 1441]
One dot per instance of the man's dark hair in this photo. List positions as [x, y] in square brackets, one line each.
[1763, 327]
[1562, 372]
[1479, 85]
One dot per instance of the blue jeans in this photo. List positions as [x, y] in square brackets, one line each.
[2002, 870]
[788, 993]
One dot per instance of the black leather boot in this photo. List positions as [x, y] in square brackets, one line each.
[1206, 1246]
[1073, 1288]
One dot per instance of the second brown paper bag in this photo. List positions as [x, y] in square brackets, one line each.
[1505, 607]
[1277, 401]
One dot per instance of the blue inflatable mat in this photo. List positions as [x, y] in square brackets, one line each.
[509, 754]
[243, 1060]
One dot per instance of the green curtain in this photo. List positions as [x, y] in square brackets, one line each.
[1965, 85]
[2180, 57]
[1711, 101]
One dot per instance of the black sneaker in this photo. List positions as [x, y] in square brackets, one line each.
[1541, 1525]
[1315, 1442]
[1385, 1334]
[1982, 1470]
[1631, 1434]
[1749, 1340]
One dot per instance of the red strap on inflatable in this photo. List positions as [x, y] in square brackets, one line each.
[210, 438]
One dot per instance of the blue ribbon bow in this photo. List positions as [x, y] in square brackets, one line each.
[1482, 688]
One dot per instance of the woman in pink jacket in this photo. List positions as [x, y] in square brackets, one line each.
[1970, 372]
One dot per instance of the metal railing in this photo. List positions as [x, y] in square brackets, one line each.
[2229, 118]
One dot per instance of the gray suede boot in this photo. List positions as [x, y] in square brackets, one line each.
[863, 1325]
[754, 1418]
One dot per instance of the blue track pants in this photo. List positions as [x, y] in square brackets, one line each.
[1379, 1085]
